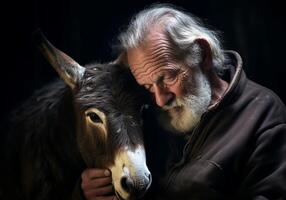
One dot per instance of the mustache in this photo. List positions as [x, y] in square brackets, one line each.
[177, 102]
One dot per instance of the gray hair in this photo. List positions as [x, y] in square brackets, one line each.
[183, 30]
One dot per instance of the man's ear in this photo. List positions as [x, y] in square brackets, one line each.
[206, 62]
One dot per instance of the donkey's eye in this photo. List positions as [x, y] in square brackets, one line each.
[94, 117]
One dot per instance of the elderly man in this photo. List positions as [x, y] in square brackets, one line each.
[211, 133]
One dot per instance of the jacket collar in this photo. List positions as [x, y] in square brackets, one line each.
[235, 76]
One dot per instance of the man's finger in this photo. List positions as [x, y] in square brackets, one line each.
[95, 183]
[94, 173]
[106, 198]
[102, 191]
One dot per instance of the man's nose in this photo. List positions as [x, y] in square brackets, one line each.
[162, 96]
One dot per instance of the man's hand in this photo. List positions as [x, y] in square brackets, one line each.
[97, 184]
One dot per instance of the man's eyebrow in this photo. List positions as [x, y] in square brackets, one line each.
[160, 78]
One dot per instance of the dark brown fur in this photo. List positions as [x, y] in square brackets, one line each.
[43, 158]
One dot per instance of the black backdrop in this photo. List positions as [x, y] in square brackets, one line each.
[86, 31]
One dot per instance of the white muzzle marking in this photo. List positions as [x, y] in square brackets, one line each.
[130, 165]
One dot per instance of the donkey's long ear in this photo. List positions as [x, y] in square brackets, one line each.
[69, 70]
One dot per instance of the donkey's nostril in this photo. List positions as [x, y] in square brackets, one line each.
[127, 184]
[148, 175]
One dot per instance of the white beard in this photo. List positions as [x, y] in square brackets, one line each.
[184, 113]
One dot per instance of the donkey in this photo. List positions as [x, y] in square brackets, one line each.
[92, 119]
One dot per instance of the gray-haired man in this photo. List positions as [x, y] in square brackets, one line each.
[215, 134]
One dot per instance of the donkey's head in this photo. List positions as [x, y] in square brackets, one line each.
[108, 103]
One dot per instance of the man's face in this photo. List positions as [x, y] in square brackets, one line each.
[182, 93]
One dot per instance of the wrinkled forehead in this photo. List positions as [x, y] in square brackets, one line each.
[155, 54]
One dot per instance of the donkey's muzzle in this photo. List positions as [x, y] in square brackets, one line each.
[136, 186]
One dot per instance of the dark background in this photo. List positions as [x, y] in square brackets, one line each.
[86, 30]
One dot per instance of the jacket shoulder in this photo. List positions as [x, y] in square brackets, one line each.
[266, 103]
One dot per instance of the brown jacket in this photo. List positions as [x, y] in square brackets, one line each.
[238, 150]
